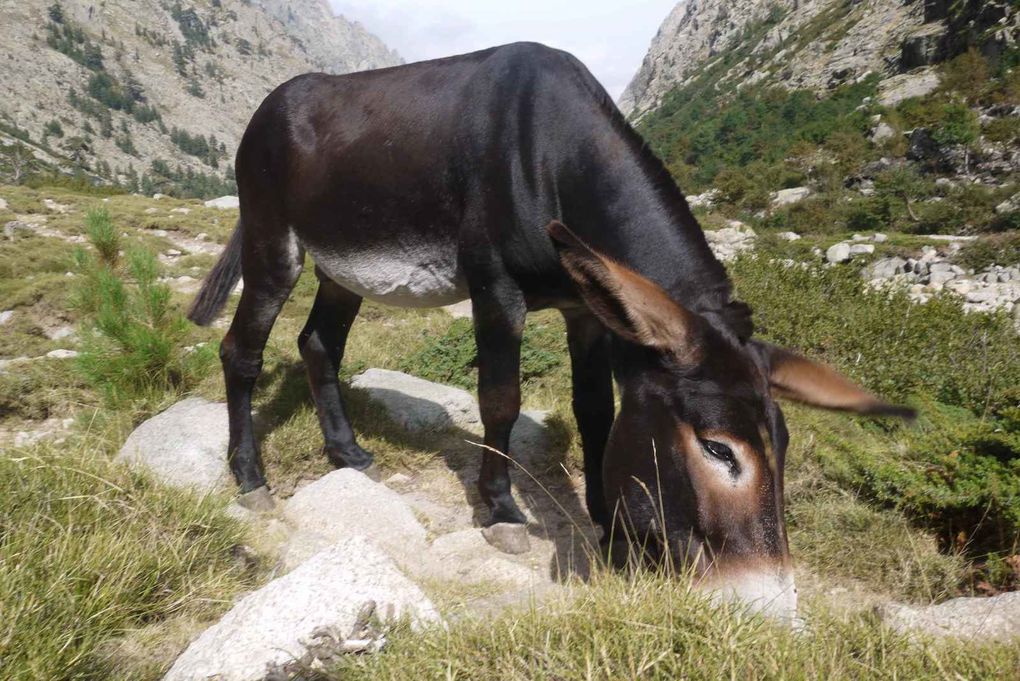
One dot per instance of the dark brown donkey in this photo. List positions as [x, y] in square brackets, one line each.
[429, 183]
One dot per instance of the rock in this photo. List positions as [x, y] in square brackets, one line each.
[346, 503]
[224, 203]
[940, 277]
[862, 249]
[921, 48]
[882, 132]
[1010, 205]
[62, 354]
[838, 253]
[157, 196]
[3, 204]
[879, 238]
[5, 316]
[151, 210]
[705, 199]
[59, 332]
[784, 197]
[460, 310]
[466, 556]
[258, 500]
[417, 404]
[986, 619]
[278, 623]
[789, 236]
[52, 205]
[508, 537]
[886, 268]
[182, 211]
[185, 446]
[727, 242]
[894, 90]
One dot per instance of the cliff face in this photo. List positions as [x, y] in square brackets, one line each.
[815, 44]
[112, 87]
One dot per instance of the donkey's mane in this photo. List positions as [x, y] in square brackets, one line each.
[717, 305]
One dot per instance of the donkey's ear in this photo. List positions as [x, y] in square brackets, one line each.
[798, 378]
[630, 305]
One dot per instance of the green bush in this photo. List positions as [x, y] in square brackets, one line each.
[881, 339]
[998, 249]
[131, 346]
[959, 468]
[452, 358]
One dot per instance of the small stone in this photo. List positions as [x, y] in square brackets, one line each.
[879, 238]
[224, 203]
[789, 236]
[151, 210]
[882, 132]
[182, 211]
[61, 354]
[3, 204]
[862, 249]
[838, 253]
[509, 538]
[5, 316]
[784, 197]
[259, 500]
[886, 268]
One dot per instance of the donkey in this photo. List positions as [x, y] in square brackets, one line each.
[426, 184]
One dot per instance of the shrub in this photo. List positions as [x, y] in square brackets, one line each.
[53, 128]
[959, 468]
[896, 348]
[132, 338]
[452, 358]
[998, 249]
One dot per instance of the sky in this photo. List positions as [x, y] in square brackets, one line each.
[609, 36]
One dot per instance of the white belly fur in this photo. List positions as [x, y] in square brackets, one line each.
[402, 277]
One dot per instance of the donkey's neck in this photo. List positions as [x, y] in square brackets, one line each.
[625, 204]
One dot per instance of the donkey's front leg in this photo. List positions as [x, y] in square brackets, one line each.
[499, 313]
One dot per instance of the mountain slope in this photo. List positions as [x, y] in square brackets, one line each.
[817, 45]
[113, 88]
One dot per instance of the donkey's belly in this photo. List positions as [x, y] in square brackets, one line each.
[405, 277]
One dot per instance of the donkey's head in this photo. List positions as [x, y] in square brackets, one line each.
[693, 469]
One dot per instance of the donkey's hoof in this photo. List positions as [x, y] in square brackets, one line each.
[508, 537]
[258, 500]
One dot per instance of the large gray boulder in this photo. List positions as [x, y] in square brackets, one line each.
[996, 618]
[419, 405]
[347, 503]
[185, 446]
[275, 625]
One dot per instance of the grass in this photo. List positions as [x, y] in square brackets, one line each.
[872, 508]
[90, 552]
[652, 627]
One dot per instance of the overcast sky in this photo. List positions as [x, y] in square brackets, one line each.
[609, 36]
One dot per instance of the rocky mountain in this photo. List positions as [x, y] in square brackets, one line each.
[156, 89]
[815, 44]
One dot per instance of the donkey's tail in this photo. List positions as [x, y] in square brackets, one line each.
[219, 282]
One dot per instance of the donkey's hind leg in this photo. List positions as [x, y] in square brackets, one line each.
[321, 344]
[270, 268]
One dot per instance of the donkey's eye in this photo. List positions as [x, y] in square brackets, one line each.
[719, 451]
